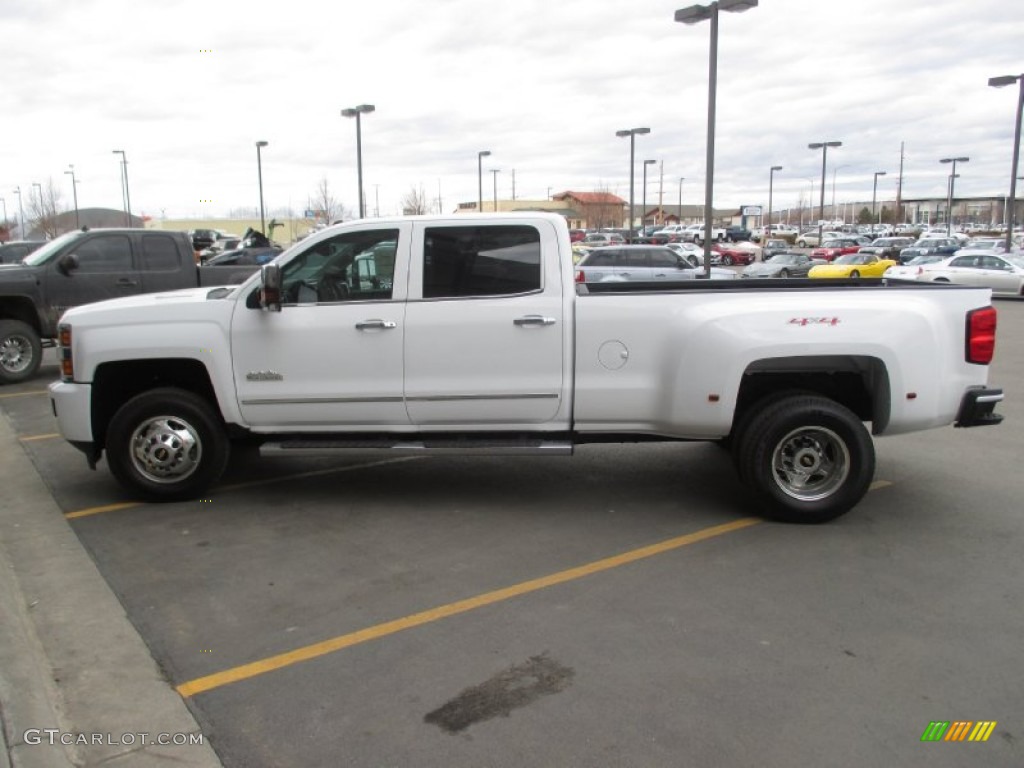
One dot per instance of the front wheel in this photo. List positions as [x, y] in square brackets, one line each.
[21, 352]
[784, 273]
[727, 261]
[806, 459]
[802, 243]
[167, 445]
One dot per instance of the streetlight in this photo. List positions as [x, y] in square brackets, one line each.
[681, 180]
[632, 133]
[949, 196]
[835, 171]
[21, 213]
[643, 204]
[4, 204]
[74, 192]
[259, 173]
[126, 197]
[771, 181]
[494, 178]
[823, 146]
[874, 196]
[480, 178]
[693, 15]
[1001, 82]
[356, 112]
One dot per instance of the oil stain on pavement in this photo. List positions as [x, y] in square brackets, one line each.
[515, 687]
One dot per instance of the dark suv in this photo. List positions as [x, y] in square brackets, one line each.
[203, 238]
[737, 234]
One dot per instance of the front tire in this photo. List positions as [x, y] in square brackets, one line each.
[806, 459]
[167, 445]
[21, 352]
[727, 261]
[784, 273]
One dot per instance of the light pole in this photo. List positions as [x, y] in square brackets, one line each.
[832, 207]
[1001, 82]
[771, 182]
[4, 204]
[643, 197]
[681, 180]
[874, 197]
[74, 193]
[810, 205]
[632, 133]
[21, 214]
[494, 179]
[823, 146]
[692, 15]
[259, 173]
[127, 200]
[480, 178]
[949, 196]
[357, 112]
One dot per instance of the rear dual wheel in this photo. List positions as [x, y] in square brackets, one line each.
[805, 458]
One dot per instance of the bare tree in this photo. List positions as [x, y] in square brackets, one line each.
[325, 207]
[415, 201]
[44, 208]
[603, 212]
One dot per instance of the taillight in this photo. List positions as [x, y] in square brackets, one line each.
[581, 277]
[67, 364]
[981, 335]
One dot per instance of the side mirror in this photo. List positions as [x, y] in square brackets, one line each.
[67, 264]
[270, 287]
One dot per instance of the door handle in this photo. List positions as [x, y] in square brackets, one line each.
[534, 320]
[126, 281]
[384, 324]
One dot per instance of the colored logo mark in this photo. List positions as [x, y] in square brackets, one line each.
[959, 730]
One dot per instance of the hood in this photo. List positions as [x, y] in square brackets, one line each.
[756, 270]
[147, 307]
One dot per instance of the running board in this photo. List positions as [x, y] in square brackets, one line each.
[490, 446]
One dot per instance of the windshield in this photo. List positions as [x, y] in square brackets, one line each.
[852, 258]
[929, 259]
[782, 258]
[43, 255]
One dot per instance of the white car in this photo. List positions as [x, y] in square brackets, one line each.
[809, 238]
[914, 268]
[1003, 274]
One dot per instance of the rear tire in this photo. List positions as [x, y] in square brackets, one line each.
[805, 458]
[784, 273]
[855, 273]
[21, 352]
[167, 445]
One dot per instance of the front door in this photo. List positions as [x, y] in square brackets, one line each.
[106, 270]
[331, 359]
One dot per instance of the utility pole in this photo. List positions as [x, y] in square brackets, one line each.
[513, 183]
[661, 192]
[899, 190]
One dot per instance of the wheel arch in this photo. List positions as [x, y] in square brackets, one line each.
[859, 382]
[115, 383]
[21, 308]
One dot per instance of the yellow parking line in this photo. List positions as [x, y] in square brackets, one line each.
[252, 669]
[879, 484]
[89, 511]
[100, 510]
[33, 438]
[25, 394]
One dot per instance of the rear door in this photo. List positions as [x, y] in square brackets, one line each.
[162, 263]
[486, 333]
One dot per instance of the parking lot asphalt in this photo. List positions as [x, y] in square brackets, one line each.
[622, 607]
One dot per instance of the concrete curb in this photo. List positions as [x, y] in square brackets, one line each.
[69, 658]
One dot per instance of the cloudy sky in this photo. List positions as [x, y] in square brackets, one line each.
[186, 88]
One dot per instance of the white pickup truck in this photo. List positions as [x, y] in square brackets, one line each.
[468, 334]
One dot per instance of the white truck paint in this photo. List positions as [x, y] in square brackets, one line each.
[467, 333]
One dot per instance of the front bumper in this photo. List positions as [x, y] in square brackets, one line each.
[977, 409]
[72, 405]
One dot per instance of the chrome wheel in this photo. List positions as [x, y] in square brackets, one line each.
[810, 463]
[165, 449]
[15, 353]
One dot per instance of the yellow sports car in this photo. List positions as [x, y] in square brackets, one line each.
[853, 265]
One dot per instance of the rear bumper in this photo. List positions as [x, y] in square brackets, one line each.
[977, 409]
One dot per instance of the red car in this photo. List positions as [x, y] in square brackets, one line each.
[576, 235]
[831, 249]
[727, 255]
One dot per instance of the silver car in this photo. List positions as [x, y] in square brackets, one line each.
[647, 263]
